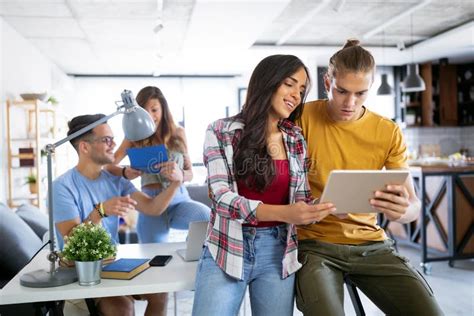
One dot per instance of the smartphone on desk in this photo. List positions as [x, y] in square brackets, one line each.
[160, 260]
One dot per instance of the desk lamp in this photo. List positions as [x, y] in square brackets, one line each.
[137, 124]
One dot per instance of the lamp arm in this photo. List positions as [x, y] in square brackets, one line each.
[52, 256]
[120, 110]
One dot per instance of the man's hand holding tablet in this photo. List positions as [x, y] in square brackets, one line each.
[366, 191]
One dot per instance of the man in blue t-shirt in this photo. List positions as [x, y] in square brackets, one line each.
[88, 192]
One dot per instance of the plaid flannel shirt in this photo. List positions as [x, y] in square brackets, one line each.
[230, 210]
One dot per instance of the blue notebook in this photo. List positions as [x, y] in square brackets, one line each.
[145, 158]
[125, 268]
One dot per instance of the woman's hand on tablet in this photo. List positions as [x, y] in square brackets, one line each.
[301, 213]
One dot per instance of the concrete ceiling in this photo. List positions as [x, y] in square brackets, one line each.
[142, 37]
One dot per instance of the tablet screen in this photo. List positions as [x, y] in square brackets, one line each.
[351, 190]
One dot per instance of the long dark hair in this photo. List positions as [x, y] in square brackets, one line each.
[166, 131]
[252, 163]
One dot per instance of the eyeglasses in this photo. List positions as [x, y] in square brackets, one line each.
[108, 140]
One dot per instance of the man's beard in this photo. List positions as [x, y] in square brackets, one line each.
[101, 159]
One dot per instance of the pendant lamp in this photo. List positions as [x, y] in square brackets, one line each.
[413, 82]
[385, 88]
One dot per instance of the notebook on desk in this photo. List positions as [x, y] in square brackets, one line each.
[125, 268]
[194, 242]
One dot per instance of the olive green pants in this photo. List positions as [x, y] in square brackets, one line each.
[384, 276]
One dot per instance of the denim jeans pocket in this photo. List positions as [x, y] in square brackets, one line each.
[282, 234]
[205, 255]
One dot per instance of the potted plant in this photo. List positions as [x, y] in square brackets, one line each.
[88, 244]
[31, 181]
[52, 100]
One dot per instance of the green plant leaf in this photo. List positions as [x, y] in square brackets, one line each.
[88, 242]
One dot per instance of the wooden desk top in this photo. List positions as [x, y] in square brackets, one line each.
[442, 169]
[178, 275]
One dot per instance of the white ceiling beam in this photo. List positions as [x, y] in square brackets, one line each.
[302, 22]
[457, 41]
[395, 19]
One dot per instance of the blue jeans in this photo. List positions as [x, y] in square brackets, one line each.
[219, 294]
[181, 211]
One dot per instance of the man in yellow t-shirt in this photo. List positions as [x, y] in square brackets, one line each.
[341, 133]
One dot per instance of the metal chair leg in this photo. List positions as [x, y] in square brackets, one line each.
[355, 298]
[175, 299]
[91, 307]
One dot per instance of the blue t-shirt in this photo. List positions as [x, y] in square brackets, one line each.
[76, 195]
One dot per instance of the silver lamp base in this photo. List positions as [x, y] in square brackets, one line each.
[44, 278]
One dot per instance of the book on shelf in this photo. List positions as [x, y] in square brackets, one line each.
[27, 157]
[125, 268]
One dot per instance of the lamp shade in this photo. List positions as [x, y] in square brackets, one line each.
[384, 88]
[413, 82]
[137, 124]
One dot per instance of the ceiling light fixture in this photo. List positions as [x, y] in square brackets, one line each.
[158, 27]
[385, 88]
[413, 82]
[159, 21]
[337, 6]
[401, 45]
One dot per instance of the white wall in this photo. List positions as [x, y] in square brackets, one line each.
[203, 100]
[23, 68]
[382, 104]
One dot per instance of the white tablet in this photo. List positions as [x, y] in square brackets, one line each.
[351, 190]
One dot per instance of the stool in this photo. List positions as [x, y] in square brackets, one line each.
[356, 302]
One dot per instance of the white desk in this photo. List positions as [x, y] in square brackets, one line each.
[177, 275]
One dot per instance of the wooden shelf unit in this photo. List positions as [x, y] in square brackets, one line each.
[38, 116]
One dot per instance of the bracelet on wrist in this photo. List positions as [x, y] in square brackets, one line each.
[123, 173]
[100, 209]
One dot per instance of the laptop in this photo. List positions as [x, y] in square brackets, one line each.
[194, 242]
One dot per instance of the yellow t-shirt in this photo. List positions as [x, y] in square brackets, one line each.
[372, 142]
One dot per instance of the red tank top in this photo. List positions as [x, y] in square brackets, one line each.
[277, 193]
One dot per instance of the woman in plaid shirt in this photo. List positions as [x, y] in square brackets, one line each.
[257, 180]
